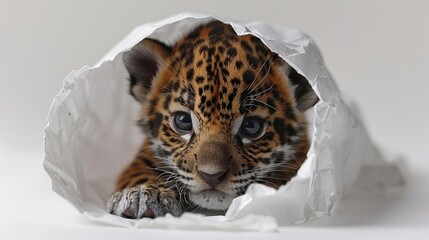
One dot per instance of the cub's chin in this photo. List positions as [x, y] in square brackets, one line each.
[211, 201]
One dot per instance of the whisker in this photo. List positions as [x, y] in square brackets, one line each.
[256, 105]
[275, 178]
[175, 60]
[265, 77]
[265, 181]
[159, 55]
[257, 74]
[264, 103]
[257, 94]
[168, 89]
[248, 110]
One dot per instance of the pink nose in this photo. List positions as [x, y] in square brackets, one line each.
[213, 179]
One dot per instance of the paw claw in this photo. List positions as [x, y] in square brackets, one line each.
[144, 201]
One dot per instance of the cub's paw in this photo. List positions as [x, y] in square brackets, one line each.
[144, 201]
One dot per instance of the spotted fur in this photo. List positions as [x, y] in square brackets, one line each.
[220, 79]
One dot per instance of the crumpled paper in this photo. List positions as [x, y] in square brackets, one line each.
[91, 135]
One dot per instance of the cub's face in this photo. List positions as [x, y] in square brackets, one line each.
[221, 111]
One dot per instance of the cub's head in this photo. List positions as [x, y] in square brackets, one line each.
[221, 110]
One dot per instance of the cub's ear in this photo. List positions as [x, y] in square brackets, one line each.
[143, 62]
[304, 94]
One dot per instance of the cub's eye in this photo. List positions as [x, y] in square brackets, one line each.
[252, 128]
[182, 122]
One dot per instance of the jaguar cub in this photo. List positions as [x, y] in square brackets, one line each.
[220, 112]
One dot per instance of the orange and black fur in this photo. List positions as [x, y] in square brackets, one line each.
[220, 112]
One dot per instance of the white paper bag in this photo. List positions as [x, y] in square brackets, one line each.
[91, 136]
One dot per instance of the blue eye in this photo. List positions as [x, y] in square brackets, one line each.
[252, 127]
[183, 122]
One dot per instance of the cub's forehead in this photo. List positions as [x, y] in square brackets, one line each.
[215, 54]
[222, 49]
[223, 73]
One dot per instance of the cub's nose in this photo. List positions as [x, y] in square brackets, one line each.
[213, 179]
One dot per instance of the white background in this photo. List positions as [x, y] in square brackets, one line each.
[378, 52]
